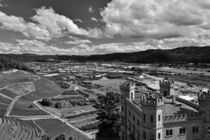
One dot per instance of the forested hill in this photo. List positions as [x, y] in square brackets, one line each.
[9, 64]
[178, 55]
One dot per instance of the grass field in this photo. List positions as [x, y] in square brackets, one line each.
[8, 93]
[5, 100]
[31, 87]
[27, 112]
[16, 77]
[46, 88]
[108, 84]
[54, 127]
[3, 109]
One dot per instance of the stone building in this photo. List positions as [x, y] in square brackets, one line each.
[149, 116]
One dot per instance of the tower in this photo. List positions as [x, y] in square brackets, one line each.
[127, 92]
[204, 104]
[152, 109]
[165, 87]
[204, 109]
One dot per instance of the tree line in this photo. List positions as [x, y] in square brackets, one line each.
[9, 64]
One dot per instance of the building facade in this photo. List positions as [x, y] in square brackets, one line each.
[161, 116]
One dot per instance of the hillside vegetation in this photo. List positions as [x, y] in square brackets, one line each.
[9, 64]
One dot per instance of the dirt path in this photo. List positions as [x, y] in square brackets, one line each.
[61, 119]
[36, 117]
[10, 107]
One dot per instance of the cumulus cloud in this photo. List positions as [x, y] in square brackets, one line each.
[2, 4]
[32, 46]
[78, 20]
[56, 24]
[94, 19]
[18, 24]
[79, 41]
[156, 19]
[46, 25]
[91, 10]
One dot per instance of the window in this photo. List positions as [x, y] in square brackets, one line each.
[169, 132]
[129, 113]
[144, 117]
[159, 118]
[151, 118]
[138, 122]
[159, 135]
[144, 135]
[151, 136]
[165, 93]
[195, 129]
[134, 118]
[182, 131]
[129, 126]
[208, 129]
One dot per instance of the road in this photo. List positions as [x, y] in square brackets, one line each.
[10, 107]
[62, 120]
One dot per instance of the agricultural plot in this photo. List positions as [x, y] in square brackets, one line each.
[25, 107]
[107, 85]
[54, 127]
[30, 87]
[3, 108]
[16, 77]
[5, 100]
[45, 88]
[8, 93]
[22, 88]
[27, 112]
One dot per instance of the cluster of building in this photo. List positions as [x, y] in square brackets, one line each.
[162, 116]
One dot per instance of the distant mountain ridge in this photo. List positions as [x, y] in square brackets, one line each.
[192, 54]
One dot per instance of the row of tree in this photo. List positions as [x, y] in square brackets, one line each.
[9, 64]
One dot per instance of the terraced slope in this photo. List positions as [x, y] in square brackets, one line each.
[15, 129]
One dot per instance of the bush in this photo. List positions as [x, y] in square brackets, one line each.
[89, 126]
[58, 105]
[46, 102]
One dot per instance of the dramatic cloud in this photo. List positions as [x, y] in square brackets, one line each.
[32, 46]
[78, 42]
[145, 24]
[156, 19]
[46, 25]
[18, 24]
[56, 24]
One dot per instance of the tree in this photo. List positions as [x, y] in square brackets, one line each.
[108, 115]
[58, 105]
[61, 137]
[45, 137]
[46, 102]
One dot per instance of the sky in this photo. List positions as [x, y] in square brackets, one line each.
[86, 27]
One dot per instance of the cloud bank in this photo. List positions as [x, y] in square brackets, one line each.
[159, 24]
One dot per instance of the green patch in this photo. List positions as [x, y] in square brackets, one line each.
[8, 93]
[27, 112]
[54, 127]
[5, 100]
[3, 109]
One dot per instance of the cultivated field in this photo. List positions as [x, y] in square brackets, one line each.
[19, 89]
